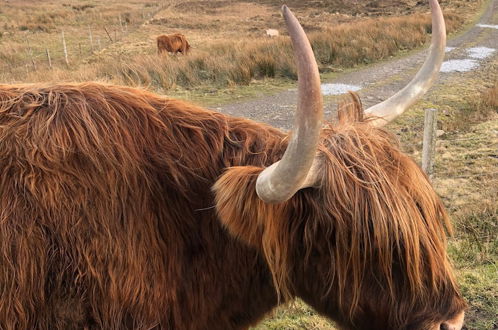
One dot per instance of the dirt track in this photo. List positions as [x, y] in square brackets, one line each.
[378, 81]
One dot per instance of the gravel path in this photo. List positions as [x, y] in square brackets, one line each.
[380, 81]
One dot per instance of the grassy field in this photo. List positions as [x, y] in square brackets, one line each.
[113, 41]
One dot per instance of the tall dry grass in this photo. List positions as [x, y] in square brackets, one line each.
[490, 98]
[224, 64]
[238, 62]
[481, 106]
[231, 62]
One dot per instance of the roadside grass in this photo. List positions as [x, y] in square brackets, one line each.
[466, 177]
[469, 184]
[489, 99]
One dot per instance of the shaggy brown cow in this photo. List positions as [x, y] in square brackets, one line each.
[172, 43]
[122, 209]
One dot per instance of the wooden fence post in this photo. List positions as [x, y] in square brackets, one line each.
[120, 23]
[429, 146]
[91, 37]
[105, 29]
[48, 58]
[65, 48]
[31, 55]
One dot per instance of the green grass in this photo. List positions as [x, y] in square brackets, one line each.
[297, 316]
[209, 97]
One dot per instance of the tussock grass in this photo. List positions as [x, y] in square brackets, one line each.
[297, 316]
[479, 107]
[467, 178]
[228, 63]
[490, 98]
[474, 250]
[11, 53]
[228, 48]
[374, 39]
[476, 230]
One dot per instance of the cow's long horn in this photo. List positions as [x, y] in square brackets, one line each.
[284, 178]
[399, 102]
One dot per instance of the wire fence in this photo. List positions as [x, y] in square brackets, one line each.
[70, 46]
[431, 146]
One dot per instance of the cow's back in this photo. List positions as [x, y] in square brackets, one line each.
[107, 218]
[173, 43]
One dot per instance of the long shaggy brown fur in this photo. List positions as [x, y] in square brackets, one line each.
[369, 247]
[172, 43]
[108, 219]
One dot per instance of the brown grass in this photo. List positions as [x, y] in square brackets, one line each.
[481, 107]
[490, 98]
[239, 62]
[228, 48]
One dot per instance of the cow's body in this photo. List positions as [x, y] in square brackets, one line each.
[172, 43]
[109, 220]
[272, 33]
[120, 209]
[107, 213]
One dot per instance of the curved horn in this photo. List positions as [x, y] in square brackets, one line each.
[283, 179]
[399, 102]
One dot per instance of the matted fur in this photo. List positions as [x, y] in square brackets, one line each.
[108, 219]
[373, 235]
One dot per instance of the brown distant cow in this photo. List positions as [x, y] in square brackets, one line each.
[121, 209]
[172, 43]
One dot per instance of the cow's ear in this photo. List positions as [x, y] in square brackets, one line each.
[239, 208]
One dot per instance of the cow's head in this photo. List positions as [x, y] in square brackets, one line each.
[345, 220]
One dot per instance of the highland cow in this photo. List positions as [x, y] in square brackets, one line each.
[121, 209]
[272, 33]
[172, 43]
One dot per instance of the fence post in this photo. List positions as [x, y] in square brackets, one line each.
[65, 48]
[91, 37]
[120, 23]
[105, 29]
[30, 51]
[429, 146]
[48, 58]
